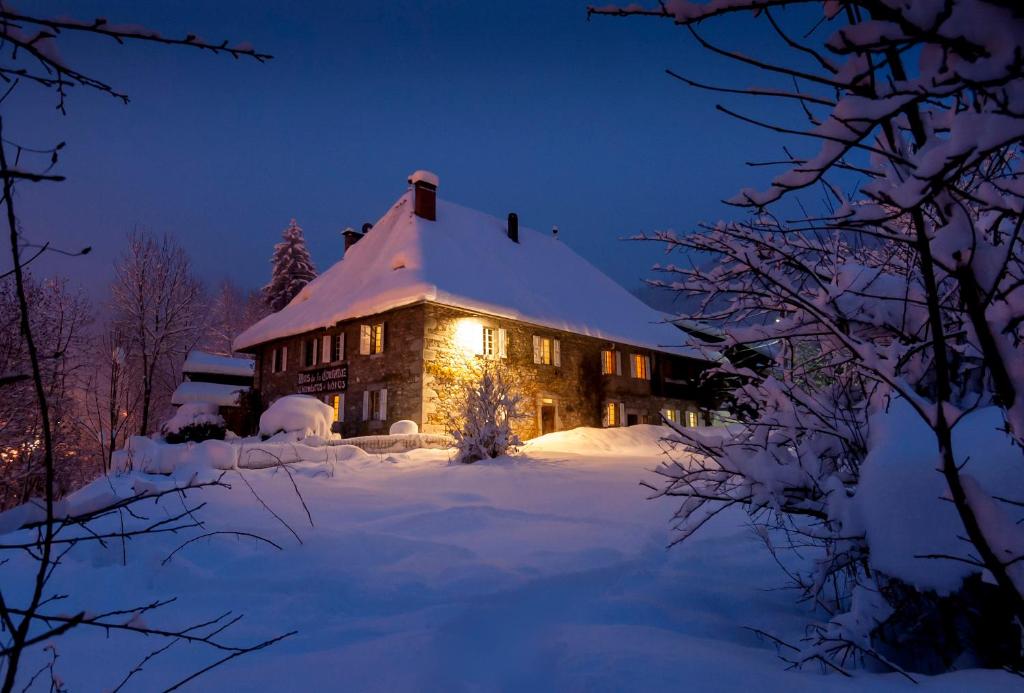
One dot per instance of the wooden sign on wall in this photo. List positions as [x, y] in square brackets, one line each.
[328, 379]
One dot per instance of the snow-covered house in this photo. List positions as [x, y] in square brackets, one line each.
[384, 333]
[223, 381]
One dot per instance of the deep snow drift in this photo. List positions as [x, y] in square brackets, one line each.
[545, 571]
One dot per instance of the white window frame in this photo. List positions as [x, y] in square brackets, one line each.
[371, 338]
[551, 356]
[644, 361]
[608, 368]
[332, 343]
[375, 411]
[489, 341]
[618, 412]
[279, 359]
[310, 352]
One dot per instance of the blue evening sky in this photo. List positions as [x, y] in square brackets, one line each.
[522, 106]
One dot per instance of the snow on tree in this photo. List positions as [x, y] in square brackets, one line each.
[292, 268]
[887, 434]
[42, 534]
[60, 325]
[482, 421]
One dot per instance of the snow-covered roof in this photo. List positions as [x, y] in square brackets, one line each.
[214, 393]
[202, 362]
[465, 259]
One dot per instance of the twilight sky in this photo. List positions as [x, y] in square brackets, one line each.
[522, 106]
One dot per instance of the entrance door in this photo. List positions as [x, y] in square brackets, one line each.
[631, 420]
[547, 418]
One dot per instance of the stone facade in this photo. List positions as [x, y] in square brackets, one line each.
[430, 348]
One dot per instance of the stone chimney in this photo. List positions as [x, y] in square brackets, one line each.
[513, 226]
[351, 237]
[424, 185]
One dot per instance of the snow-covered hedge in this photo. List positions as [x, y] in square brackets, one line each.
[195, 421]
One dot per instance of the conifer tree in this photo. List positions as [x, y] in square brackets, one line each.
[293, 268]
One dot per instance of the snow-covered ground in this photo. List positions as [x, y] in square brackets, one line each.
[545, 571]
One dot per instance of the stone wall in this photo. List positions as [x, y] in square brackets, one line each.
[398, 368]
[424, 366]
[576, 388]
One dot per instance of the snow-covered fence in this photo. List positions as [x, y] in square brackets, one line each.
[397, 443]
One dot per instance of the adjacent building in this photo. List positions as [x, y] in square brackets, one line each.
[434, 289]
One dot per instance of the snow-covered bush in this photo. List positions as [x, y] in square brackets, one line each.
[302, 415]
[894, 317]
[194, 422]
[482, 421]
[403, 428]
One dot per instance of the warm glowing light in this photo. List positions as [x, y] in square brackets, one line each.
[469, 336]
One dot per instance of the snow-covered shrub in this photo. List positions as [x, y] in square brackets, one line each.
[886, 436]
[482, 421]
[403, 427]
[194, 422]
[299, 414]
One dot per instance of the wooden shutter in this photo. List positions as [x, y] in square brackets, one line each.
[679, 415]
[647, 362]
[380, 342]
[341, 346]
[556, 346]
[632, 365]
[284, 359]
[364, 339]
[502, 343]
[366, 405]
[537, 355]
[622, 415]
[618, 363]
[341, 407]
[604, 415]
[315, 344]
[382, 414]
[325, 350]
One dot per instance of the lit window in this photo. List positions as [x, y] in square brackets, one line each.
[489, 341]
[371, 338]
[611, 414]
[337, 403]
[691, 419]
[607, 362]
[669, 414]
[641, 366]
[546, 351]
[337, 343]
